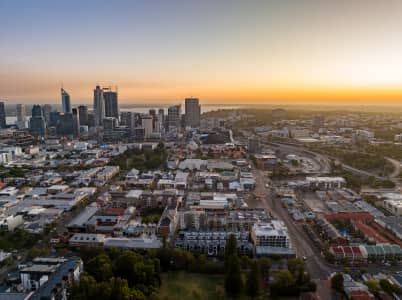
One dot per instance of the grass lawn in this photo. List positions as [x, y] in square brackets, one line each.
[188, 286]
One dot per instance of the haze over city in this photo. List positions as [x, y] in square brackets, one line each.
[213, 149]
[325, 52]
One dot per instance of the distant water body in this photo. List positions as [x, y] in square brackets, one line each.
[204, 108]
[145, 109]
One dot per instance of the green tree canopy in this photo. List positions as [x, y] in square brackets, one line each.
[253, 284]
[337, 282]
[233, 280]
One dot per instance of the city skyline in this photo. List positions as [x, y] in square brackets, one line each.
[343, 52]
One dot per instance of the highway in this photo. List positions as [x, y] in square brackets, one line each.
[322, 160]
[325, 161]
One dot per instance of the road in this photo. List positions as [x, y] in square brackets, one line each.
[397, 167]
[317, 266]
[325, 161]
[361, 172]
[301, 243]
[322, 160]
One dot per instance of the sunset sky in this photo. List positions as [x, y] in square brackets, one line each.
[280, 51]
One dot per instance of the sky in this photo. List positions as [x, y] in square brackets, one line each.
[234, 51]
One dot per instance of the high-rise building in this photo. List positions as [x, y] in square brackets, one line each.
[76, 122]
[83, 115]
[161, 119]
[54, 119]
[65, 125]
[127, 118]
[21, 113]
[47, 109]
[109, 124]
[111, 102]
[91, 119]
[152, 113]
[37, 123]
[65, 101]
[193, 112]
[174, 116]
[3, 123]
[146, 124]
[99, 106]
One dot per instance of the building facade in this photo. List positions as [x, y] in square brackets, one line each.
[21, 113]
[3, 123]
[83, 115]
[174, 116]
[193, 112]
[37, 123]
[99, 106]
[65, 101]
[111, 102]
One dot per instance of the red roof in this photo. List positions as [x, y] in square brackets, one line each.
[347, 249]
[338, 249]
[370, 232]
[356, 250]
[115, 210]
[350, 215]
[361, 295]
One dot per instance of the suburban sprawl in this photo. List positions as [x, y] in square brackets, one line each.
[239, 203]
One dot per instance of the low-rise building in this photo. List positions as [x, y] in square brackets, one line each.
[212, 242]
[50, 278]
[87, 240]
[271, 238]
[325, 183]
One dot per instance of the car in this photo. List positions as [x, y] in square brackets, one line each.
[304, 258]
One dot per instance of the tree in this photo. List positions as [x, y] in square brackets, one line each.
[100, 267]
[337, 282]
[231, 246]
[245, 262]
[363, 271]
[233, 281]
[296, 267]
[283, 283]
[373, 286]
[113, 289]
[265, 266]
[253, 284]
[388, 287]
[85, 289]
[121, 291]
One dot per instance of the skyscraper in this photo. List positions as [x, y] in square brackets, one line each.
[65, 101]
[111, 102]
[3, 123]
[146, 124]
[76, 122]
[37, 123]
[193, 112]
[174, 116]
[83, 115]
[152, 113]
[127, 118]
[47, 108]
[54, 119]
[161, 119]
[99, 106]
[65, 126]
[21, 113]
